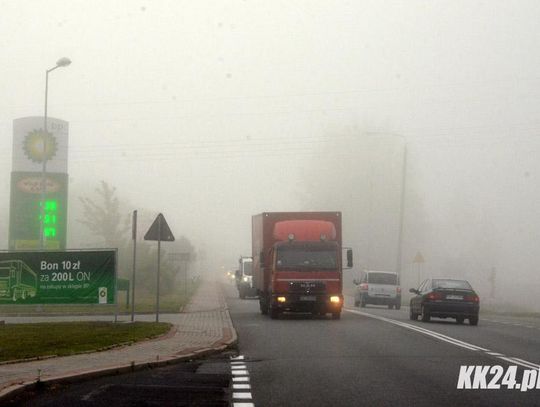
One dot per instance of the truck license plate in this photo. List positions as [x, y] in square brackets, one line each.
[307, 298]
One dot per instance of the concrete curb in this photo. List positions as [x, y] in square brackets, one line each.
[219, 346]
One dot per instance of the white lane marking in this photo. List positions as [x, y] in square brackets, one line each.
[516, 362]
[241, 396]
[534, 365]
[239, 367]
[436, 335]
[236, 386]
[241, 386]
[453, 341]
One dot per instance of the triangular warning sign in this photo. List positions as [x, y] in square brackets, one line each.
[418, 258]
[159, 230]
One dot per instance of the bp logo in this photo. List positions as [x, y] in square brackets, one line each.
[102, 295]
[39, 146]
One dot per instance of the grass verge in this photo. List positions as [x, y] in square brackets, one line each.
[23, 341]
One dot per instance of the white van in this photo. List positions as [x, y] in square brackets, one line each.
[378, 287]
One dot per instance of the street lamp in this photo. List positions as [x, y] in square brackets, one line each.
[62, 62]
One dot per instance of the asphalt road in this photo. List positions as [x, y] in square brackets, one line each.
[375, 356]
[198, 383]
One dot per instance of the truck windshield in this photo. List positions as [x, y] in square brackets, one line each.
[247, 268]
[294, 257]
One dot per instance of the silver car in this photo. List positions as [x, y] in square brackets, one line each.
[378, 287]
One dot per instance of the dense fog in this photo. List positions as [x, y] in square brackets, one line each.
[210, 112]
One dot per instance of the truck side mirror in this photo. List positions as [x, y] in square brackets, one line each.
[413, 290]
[349, 258]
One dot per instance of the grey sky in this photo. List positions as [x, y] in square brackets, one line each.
[211, 111]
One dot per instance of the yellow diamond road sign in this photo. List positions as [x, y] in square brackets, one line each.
[418, 258]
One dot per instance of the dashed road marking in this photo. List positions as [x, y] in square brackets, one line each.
[241, 396]
[241, 386]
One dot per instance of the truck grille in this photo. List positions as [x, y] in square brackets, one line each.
[307, 287]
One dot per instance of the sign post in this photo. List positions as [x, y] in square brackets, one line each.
[159, 231]
[418, 260]
[134, 238]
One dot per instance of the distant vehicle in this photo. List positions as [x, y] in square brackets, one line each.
[445, 298]
[231, 277]
[17, 280]
[379, 288]
[297, 262]
[244, 278]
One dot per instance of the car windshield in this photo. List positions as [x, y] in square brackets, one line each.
[382, 278]
[457, 284]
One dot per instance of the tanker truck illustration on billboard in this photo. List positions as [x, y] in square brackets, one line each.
[17, 280]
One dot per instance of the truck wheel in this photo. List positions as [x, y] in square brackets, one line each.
[356, 303]
[397, 305]
[242, 293]
[363, 304]
[413, 316]
[336, 315]
[390, 306]
[473, 320]
[262, 305]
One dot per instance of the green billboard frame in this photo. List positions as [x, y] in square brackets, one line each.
[59, 277]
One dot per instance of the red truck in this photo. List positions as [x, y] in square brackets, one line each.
[297, 262]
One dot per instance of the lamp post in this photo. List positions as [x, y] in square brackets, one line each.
[62, 62]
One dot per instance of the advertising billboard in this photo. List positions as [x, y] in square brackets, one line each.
[58, 277]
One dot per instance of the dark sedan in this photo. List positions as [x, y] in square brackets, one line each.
[445, 298]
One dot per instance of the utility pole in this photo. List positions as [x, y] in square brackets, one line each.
[402, 210]
[492, 282]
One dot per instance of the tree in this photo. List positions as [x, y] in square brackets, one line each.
[104, 218]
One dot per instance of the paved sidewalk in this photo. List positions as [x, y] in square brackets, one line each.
[203, 326]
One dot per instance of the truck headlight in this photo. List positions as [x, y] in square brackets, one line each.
[246, 279]
[281, 299]
[334, 299]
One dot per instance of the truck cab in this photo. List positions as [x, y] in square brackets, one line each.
[244, 278]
